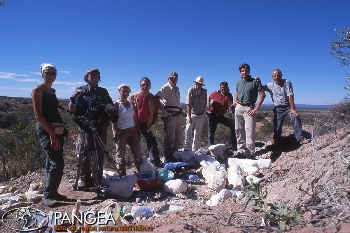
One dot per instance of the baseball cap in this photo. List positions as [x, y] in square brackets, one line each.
[173, 75]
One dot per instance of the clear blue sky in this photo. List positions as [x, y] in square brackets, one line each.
[129, 39]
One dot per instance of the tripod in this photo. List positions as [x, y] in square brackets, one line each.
[89, 142]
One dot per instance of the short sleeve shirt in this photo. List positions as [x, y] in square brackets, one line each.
[280, 93]
[197, 99]
[170, 96]
[248, 91]
[220, 102]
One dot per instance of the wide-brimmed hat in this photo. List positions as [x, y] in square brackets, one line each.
[173, 75]
[200, 80]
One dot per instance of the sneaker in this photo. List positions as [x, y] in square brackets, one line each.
[49, 202]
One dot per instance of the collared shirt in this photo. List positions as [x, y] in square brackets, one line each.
[248, 91]
[170, 96]
[279, 93]
[220, 102]
[147, 110]
[197, 99]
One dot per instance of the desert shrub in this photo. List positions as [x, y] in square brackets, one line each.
[265, 130]
[335, 118]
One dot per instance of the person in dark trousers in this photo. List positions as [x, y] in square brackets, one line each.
[45, 105]
[92, 78]
[219, 103]
[281, 91]
[146, 108]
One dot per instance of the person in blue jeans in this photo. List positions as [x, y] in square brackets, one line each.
[45, 105]
[281, 91]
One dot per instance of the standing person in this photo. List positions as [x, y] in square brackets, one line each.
[146, 108]
[247, 90]
[45, 105]
[170, 96]
[222, 103]
[126, 131]
[77, 106]
[281, 91]
[196, 101]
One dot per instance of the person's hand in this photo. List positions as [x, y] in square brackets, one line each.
[257, 79]
[294, 111]
[55, 143]
[116, 138]
[188, 120]
[235, 103]
[78, 91]
[166, 114]
[252, 111]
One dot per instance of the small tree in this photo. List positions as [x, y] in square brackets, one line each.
[340, 49]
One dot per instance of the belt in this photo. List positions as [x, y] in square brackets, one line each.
[174, 113]
[283, 106]
[197, 114]
[246, 105]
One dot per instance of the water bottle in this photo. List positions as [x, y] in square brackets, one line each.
[141, 211]
[146, 170]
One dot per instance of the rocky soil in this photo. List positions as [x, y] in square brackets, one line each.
[314, 176]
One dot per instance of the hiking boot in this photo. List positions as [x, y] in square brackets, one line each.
[303, 141]
[49, 202]
[59, 197]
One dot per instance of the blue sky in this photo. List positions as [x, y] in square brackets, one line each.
[129, 39]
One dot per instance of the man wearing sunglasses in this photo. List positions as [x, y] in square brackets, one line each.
[147, 113]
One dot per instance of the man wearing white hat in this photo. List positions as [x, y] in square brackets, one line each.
[196, 101]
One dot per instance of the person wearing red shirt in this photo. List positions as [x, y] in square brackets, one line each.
[219, 102]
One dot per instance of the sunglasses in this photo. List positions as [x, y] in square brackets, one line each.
[50, 73]
[145, 84]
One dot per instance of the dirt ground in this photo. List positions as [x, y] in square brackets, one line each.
[314, 176]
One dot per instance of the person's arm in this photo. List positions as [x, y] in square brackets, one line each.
[261, 100]
[208, 101]
[293, 109]
[115, 126]
[160, 106]
[37, 95]
[136, 121]
[188, 118]
[235, 100]
[71, 103]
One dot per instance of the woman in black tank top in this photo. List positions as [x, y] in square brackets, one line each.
[45, 105]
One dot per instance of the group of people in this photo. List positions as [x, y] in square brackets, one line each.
[138, 114]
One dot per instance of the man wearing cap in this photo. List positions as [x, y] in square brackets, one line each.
[247, 90]
[146, 108]
[169, 94]
[92, 89]
[196, 101]
[221, 103]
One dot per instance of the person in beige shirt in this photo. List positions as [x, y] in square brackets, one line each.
[169, 94]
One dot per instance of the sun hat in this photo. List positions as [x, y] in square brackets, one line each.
[200, 80]
[173, 75]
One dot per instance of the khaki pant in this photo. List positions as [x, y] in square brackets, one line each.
[173, 135]
[129, 137]
[195, 129]
[245, 129]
